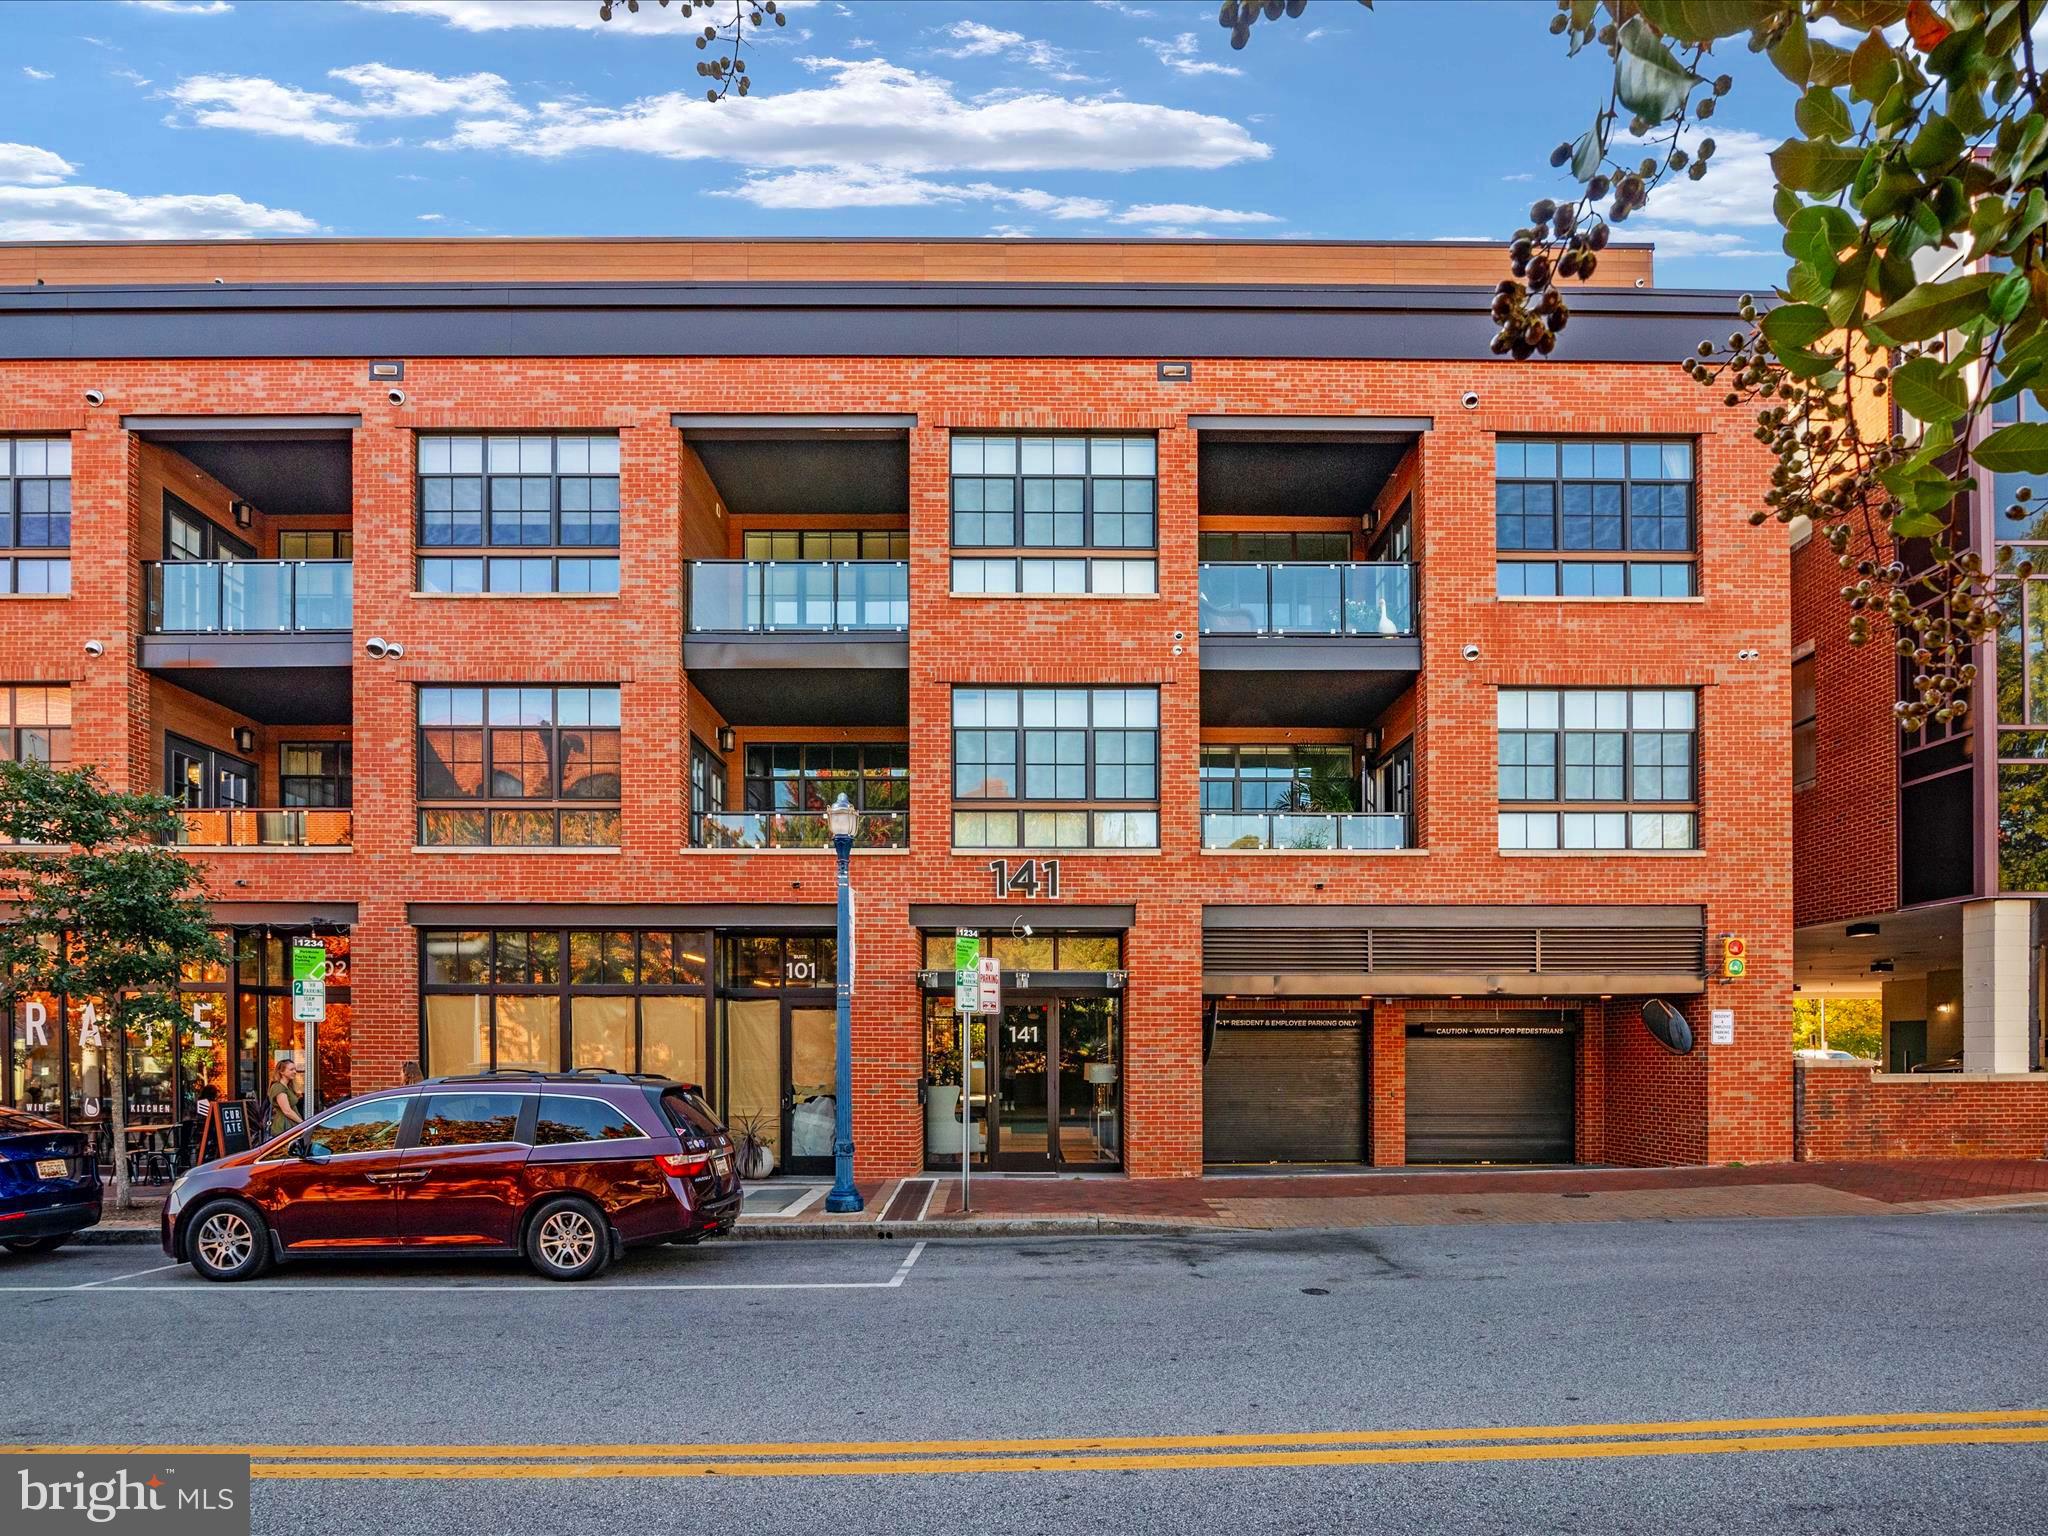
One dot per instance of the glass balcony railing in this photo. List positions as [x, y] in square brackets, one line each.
[253, 597]
[1305, 831]
[1307, 599]
[239, 828]
[746, 830]
[799, 596]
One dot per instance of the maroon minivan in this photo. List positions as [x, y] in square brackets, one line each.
[568, 1168]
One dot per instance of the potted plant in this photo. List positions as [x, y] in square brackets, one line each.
[752, 1145]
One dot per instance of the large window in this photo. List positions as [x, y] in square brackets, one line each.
[554, 999]
[1074, 767]
[519, 767]
[35, 514]
[1019, 498]
[1594, 517]
[1598, 768]
[1279, 778]
[872, 776]
[1805, 724]
[545, 507]
[35, 725]
[1277, 546]
[315, 773]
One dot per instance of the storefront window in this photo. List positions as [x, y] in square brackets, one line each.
[36, 1082]
[1040, 952]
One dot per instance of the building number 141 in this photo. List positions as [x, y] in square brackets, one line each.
[1027, 877]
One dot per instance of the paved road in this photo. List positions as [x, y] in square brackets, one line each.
[1276, 1368]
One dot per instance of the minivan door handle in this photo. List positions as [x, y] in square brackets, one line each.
[405, 1177]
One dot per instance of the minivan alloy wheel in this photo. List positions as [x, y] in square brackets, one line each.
[225, 1240]
[568, 1239]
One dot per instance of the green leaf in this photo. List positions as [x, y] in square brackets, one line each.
[1815, 166]
[1919, 525]
[1938, 143]
[1802, 363]
[1872, 69]
[1932, 308]
[2025, 220]
[1647, 76]
[2008, 297]
[1586, 154]
[1785, 205]
[1927, 391]
[1845, 293]
[1895, 277]
[1818, 233]
[1868, 15]
[2021, 448]
[1699, 21]
[1791, 53]
[1795, 325]
[1827, 64]
[1821, 114]
[1807, 284]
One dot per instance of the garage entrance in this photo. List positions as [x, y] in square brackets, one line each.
[1482, 1090]
[1283, 1081]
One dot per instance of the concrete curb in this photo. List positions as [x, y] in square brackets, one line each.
[842, 1231]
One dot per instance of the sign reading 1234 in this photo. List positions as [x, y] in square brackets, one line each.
[1027, 877]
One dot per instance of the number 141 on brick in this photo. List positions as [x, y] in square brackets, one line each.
[1027, 877]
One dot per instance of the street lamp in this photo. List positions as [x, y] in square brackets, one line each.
[844, 821]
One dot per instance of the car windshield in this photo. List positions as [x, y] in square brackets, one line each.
[690, 1114]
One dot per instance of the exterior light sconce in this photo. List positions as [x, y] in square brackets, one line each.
[728, 738]
[245, 739]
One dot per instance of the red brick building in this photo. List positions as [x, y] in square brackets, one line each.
[1338, 733]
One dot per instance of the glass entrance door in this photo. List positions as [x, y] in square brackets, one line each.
[1058, 1072]
[811, 1096]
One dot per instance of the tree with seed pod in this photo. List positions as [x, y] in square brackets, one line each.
[723, 36]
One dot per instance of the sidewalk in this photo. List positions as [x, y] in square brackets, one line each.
[1012, 1206]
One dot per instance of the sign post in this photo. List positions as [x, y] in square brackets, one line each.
[309, 981]
[966, 1003]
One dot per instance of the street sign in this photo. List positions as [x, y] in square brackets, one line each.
[309, 981]
[966, 972]
[1721, 1026]
[990, 985]
[1734, 957]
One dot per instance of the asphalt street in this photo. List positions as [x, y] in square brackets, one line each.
[1480, 1378]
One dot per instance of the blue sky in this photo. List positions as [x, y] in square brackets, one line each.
[1425, 119]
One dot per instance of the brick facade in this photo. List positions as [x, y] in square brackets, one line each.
[1637, 1102]
[1847, 1112]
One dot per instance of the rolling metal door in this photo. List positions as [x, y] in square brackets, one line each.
[1490, 1098]
[1284, 1095]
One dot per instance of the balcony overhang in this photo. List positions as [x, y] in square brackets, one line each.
[1339, 681]
[848, 464]
[802, 679]
[287, 465]
[277, 679]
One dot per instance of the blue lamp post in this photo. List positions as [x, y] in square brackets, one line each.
[844, 821]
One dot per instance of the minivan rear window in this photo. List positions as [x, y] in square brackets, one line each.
[690, 1114]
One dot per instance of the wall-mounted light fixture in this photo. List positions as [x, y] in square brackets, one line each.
[1176, 373]
[245, 739]
[1861, 931]
[728, 738]
[244, 513]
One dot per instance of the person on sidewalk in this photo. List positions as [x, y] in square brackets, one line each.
[286, 1099]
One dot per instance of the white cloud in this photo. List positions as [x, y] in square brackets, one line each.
[36, 74]
[27, 166]
[976, 41]
[38, 201]
[860, 42]
[185, 7]
[581, 15]
[1182, 214]
[256, 105]
[833, 189]
[871, 116]
[1720, 214]
[1181, 55]
[430, 218]
[1519, 176]
[133, 77]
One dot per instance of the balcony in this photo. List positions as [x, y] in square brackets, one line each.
[1305, 643]
[835, 634]
[1304, 831]
[241, 828]
[746, 831]
[270, 639]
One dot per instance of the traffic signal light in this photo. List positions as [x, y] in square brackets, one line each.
[1734, 957]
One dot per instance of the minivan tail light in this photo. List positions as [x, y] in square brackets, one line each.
[683, 1165]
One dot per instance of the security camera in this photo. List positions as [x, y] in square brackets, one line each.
[376, 647]
[95, 397]
[1180, 634]
[95, 648]
[396, 397]
[1470, 653]
[393, 651]
[1027, 930]
[1470, 400]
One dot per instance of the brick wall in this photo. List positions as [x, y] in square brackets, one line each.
[1726, 1104]
[1850, 1111]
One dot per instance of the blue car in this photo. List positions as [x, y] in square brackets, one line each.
[49, 1182]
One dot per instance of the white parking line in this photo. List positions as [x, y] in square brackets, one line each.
[528, 1288]
[132, 1275]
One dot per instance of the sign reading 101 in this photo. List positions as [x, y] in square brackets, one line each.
[1027, 877]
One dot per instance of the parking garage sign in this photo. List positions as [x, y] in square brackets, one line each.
[309, 981]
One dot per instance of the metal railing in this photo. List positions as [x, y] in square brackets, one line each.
[746, 830]
[252, 597]
[1301, 831]
[1302, 598]
[799, 596]
[240, 828]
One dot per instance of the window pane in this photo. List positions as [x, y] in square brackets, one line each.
[471, 1119]
[564, 1120]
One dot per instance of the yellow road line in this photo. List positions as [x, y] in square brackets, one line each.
[1159, 1462]
[1082, 1443]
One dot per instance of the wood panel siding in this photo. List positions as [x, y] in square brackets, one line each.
[1338, 263]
